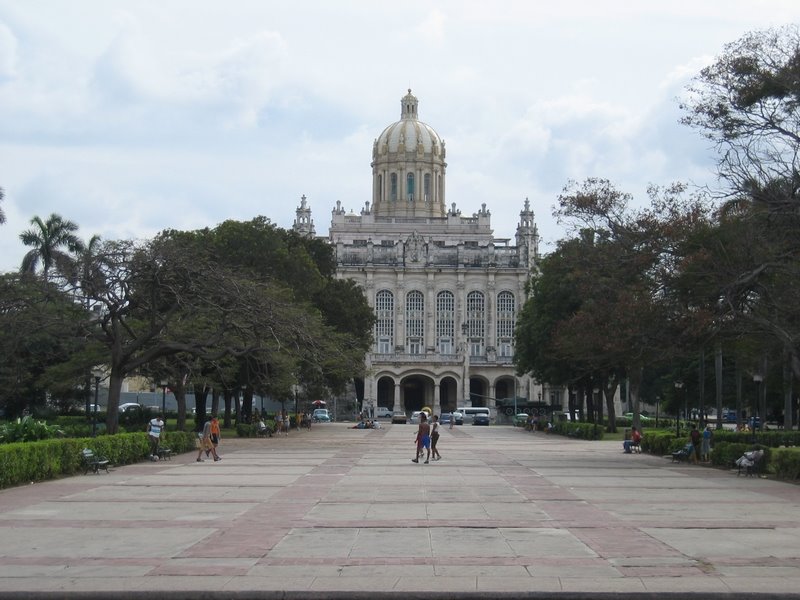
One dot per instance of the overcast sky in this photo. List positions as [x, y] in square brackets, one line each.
[129, 117]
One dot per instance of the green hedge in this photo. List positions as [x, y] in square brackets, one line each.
[583, 431]
[785, 463]
[27, 462]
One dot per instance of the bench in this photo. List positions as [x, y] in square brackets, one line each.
[683, 454]
[750, 463]
[93, 462]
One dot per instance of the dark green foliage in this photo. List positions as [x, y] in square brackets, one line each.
[785, 463]
[582, 431]
[28, 462]
[27, 429]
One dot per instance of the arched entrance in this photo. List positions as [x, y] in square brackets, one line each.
[386, 393]
[448, 394]
[416, 392]
[478, 392]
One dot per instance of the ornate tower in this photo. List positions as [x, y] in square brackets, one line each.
[408, 167]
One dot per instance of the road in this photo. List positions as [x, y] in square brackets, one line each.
[333, 511]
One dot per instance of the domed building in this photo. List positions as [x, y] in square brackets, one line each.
[445, 291]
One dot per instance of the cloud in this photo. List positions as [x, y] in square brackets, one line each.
[8, 53]
[432, 28]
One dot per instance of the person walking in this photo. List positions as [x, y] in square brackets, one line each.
[452, 419]
[695, 438]
[154, 429]
[216, 434]
[435, 438]
[423, 438]
[206, 444]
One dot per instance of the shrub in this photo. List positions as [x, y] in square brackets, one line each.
[24, 462]
[27, 429]
[583, 431]
[786, 463]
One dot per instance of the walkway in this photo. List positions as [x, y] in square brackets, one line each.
[333, 511]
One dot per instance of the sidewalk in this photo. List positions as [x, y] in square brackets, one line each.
[331, 511]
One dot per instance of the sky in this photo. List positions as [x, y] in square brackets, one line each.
[130, 117]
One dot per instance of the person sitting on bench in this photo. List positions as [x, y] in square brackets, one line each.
[634, 442]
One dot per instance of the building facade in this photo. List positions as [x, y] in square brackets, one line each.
[445, 291]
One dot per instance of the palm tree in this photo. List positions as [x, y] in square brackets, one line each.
[47, 238]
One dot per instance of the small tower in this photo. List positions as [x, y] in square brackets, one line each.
[303, 223]
[527, 237]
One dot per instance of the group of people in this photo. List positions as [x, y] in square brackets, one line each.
[208, 439]
[426, 438]
[701, 444]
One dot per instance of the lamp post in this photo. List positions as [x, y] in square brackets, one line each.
[465, 333]
[97, 374]
[678, 390]
[757, 379]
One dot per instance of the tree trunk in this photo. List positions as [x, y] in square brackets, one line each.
[114, 390]
[179, 391]
[788, 417]
[227, 395]
[200, 406]
[718, 381]
[610, 390]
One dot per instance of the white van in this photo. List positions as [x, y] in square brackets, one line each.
[469, 412]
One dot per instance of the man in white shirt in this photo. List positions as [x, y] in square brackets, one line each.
[154, 429]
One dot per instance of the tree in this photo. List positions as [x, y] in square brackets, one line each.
[748, 103]
[48, 239]
[2, 214]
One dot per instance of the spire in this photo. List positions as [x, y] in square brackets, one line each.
[408, 106]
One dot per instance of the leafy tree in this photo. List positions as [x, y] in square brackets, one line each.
[40, 329]
[48, 241]
[2, 214]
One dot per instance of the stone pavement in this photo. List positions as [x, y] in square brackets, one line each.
[335, 512]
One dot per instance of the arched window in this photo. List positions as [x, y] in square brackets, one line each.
[393, 187]
[415, 322]
[410, 187]
[445, 322]
[476, 323]
[384, 322]
[506, 320]
[426, 182]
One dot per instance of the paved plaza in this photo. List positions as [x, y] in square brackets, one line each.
[336, 512]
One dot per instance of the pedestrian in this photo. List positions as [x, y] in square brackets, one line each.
[423, 439]
[286, 423]
[206, 444]
[705, 452]
[216, 435]
[634, 440]
[435, 438]
[695, 438]
[154, 429]
[452, 419]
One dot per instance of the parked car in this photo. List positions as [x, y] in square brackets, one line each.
[415, 417]
[399, 417]
[520, 419]
[445, 418]
[480, 419]
[383, 413]
[321, 415]
[642, 418]
[129, 406]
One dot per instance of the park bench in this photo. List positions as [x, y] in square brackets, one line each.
[750, 463]
[682, 454]
[93, 462]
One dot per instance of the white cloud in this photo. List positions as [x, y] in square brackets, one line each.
[8, 53]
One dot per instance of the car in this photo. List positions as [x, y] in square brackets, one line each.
[445, 418]
[642, 418]
[480, 419]
[383, 413]
[414, 420]
[321, 415]
[129, 407]
[520, 419]
[399, 417]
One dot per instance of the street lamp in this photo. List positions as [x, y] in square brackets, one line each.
[678, 390]
[465, 333]
[97, 375]
[757, 379]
